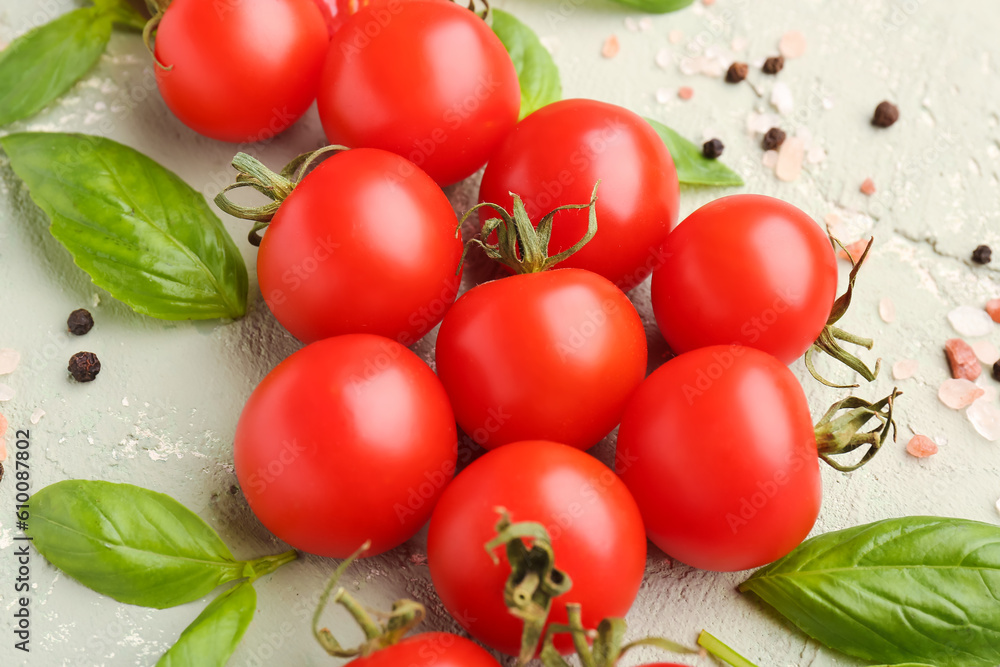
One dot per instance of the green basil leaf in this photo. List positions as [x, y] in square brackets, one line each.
[134, 545]
[657, 6]
[913, 590]
[213, 636]
[536, 71]
[42, 64]
[141, 232]
[122, 13]
[693, 168]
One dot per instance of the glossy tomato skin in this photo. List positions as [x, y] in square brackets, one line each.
[748, 270]
[364, 244]
[597, 537]
[348, 439]
[423, 78]
[717, 447]
[556, 155]
[240, 71]
[429, 649]
[545, 355]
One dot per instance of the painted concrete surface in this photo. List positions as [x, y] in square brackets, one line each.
[163, 411]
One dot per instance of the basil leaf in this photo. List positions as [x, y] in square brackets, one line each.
[44, 63]
[693, 168]
[917, 590]
[141, 232]
[536, 71]
[134, 545]
[213, 636]
[657, 6]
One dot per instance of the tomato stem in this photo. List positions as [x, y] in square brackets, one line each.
[533, 582]
[406, 615]
[520, 245]
[829, 337]
[256, 569]
[841, 435]
[277, 187]
[716, 648]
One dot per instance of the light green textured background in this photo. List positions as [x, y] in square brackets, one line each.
[163, 411]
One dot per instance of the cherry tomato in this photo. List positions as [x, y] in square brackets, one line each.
[425, 79]
[554, 157]
[348, 439]
[543, 355]
[596, 530]
[717, 446]
[746, 269]
[429, 649]
[364, 244]
[240, 71]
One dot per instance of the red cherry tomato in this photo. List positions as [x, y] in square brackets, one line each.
[348, 439]
[717, 446]
[240, 71]
[544, 355]
[425, 79]
[748, 270]
[429, 649]
[364, 244]
[596, 530]
[554, 157]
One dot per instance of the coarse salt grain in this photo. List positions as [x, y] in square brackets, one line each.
[993, 309]
[790, 157]
[675, 36]
[738, 44]
[769, 158]
[905, 369]
[645, 24]
[867, 187]
[985, 351]
[664, 58]
[887, 310]
[6, 392]
[816, 155]
[611, 47]
[792, 44]
[689, 66]
[959, 393]
[631, 24]
[36, 415]
[9, 359]
[781, 98]
[921, 446]
[664, 95]
[962, 359]
[972, 322]
[3, 425]
[685, 92]
[985, 418]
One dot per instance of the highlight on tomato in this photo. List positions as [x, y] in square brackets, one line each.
[756, 271]
[719, 450]
[585, 531]
[238, 71]
[348, 440]
[425, 79]
[554, 156]
[550, 353]
[364, 243]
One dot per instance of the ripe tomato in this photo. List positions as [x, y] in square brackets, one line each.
[554, 157]
[348, 439]
[550, 355]
[429, 649]
[596, 530]
[718, 448]
[240, 71]
[425, 79]
[748, 270]
[364, 244]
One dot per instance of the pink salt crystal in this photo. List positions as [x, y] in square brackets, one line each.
[921, 446]
[3, 425]
[611, 47]
[962, 359]
[685, 92]
[985, 351]
[769, 159]
[792, 44]
[887, 310]
[985, 418]
[959, 393]
[3, 449]
[993, 308]
[855, 250]
[905, 369]
[868, 187]
[708, 3]
[675, 36]
[9, 359]
[790, 157]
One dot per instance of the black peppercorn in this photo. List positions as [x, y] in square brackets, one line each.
[712, 149]
[886, 113]
[996, 371]
[84, 366]
[80, 322]
[982, 255]
[773, 65]
[773, 139]
[737, 72]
